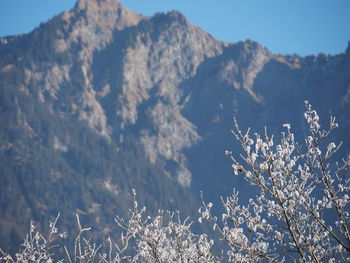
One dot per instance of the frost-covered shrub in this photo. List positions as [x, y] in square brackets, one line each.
[162, 238]
[297, 188]
[36, 248]
[299, 214]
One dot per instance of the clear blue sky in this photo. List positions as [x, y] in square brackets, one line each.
[283, 26]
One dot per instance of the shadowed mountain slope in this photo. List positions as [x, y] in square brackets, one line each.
[99, 100]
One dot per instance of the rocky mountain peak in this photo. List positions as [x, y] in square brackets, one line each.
[171, 17]
[100, 99]
[106, 13]
[96, 4]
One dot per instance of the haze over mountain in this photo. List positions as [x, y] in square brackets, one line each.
[100, 100]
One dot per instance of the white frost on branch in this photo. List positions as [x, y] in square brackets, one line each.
[299, 214]
[297, 186]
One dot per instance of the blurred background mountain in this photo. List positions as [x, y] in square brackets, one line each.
[100, 100]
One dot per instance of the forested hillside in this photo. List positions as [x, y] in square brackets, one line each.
[99, 100]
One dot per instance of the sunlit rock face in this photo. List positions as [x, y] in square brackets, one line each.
[100, 99]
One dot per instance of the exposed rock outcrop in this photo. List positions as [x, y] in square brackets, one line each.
[100, 99]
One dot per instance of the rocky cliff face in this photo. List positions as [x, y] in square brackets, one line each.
[100, 99]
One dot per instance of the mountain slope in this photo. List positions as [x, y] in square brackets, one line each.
[99, 100]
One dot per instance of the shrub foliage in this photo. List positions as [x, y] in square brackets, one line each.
[299, 212]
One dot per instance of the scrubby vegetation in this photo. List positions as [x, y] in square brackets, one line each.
[299, 213]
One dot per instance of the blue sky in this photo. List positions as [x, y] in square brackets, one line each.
[284, 26]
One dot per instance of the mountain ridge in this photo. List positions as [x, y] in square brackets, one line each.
[99, 100]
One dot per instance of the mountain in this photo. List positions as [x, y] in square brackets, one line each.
[99, 100]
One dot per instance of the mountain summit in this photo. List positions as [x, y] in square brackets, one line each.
[99, 100]
[106, 13]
